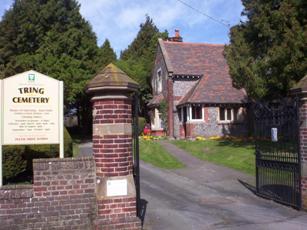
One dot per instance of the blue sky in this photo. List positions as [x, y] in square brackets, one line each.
[119, 20]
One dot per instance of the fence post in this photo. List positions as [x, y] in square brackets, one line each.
[111, 99]
[300, 91]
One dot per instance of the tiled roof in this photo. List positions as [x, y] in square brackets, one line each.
[156, 100]
[211, 90]
[207, 60]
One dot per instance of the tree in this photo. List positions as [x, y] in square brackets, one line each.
[106, 55]
[267, 52]
[51, 37]
[138, 59]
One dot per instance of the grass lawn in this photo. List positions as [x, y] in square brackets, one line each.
[152, 152]
[233, 154]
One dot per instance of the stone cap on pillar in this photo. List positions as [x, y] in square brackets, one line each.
[300, 88]
[111, 78]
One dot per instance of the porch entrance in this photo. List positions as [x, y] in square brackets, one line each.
[277, 152]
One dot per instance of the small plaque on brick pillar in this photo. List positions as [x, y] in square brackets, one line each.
[117, 187]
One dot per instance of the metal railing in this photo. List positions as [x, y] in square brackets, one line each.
[278, 157]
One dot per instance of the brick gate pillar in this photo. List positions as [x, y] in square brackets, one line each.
[111, 93]
[300, 90]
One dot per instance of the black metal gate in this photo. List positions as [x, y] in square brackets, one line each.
[136, 162]
[277, 151]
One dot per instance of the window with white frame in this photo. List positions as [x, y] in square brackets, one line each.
[159, 81]
[196, 112]
[228, 114]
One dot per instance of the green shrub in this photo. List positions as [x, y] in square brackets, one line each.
[49, 151]
[142, 123]
[13, 162]
[18, 159]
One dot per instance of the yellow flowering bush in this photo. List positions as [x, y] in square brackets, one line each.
[200, 138]
[215, 138]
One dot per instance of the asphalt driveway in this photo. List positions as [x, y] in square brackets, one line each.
[207, 196]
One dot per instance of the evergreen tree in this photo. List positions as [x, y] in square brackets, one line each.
[267, 52]
[138, 59]
[106, 55]
[51, 37]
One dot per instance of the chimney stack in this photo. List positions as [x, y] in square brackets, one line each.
[177, 37]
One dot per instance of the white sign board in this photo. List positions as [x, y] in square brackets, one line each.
[32, 110]
[117, 187]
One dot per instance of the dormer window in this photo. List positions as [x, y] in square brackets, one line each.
[159, 81]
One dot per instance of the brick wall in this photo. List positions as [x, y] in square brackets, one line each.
[303, 151]
[62, 197]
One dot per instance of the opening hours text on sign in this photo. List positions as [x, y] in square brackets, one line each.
[31, 110]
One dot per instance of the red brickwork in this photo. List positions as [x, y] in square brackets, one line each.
[170, 108]
[113, 157]
[189, 130]
[130, 223]
[112, 111]
[304, 192]
[113, 153]
[182, 130]
[119, 207]
[62, 197]
[303, 151]
[206, 114]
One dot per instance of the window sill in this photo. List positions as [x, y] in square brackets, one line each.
[196, 121]
[157, 129]
[229, 122]
[224, 122]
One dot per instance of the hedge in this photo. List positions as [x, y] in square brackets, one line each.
[17, 159]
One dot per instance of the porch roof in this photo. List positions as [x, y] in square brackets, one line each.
[300, 86]
[156, 100]
[209, 90]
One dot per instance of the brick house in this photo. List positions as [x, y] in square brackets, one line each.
[193, 80]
